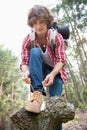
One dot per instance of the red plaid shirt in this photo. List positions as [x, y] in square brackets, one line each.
[58, 56]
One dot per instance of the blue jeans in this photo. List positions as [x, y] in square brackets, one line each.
[38, 71]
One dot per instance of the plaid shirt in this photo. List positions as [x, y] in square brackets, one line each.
[58, 56]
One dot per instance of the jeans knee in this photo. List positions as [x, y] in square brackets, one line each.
[35, 52]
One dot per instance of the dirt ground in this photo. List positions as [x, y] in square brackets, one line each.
[79, 122]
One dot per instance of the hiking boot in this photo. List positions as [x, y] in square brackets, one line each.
[35, 102]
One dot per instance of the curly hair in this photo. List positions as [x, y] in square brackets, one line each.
[38, 11]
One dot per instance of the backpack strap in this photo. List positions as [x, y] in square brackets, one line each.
[53, 33]
[32, 38]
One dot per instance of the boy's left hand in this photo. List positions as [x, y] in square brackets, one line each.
[48, 80]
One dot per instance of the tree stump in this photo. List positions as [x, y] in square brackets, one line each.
[57, 111]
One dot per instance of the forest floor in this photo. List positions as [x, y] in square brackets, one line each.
[79, 122]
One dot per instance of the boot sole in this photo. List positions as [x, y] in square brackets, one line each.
[30, 109]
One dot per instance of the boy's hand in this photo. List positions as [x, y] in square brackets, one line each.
[48, 80]
[26, 77]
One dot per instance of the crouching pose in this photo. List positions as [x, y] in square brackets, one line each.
[41, 64]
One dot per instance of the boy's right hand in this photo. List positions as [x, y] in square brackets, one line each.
[26, 77]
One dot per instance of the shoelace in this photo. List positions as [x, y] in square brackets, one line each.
[36, 96]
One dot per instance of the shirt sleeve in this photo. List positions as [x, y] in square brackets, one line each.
[25, 51]
[60, 49]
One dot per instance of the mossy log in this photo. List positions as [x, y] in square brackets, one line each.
[57, 111]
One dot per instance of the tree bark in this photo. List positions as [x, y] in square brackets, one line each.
[57, 111]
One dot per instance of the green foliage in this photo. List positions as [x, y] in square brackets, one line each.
[73, 98]
[82, 106]
[13, 93]
[85, 94]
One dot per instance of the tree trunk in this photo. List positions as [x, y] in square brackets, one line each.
[57, 111]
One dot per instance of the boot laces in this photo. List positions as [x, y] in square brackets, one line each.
[36, 96]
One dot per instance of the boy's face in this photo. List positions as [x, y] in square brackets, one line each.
[40, 25]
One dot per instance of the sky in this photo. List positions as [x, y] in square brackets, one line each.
[13, 21]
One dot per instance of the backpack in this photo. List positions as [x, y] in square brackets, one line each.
[63, 30]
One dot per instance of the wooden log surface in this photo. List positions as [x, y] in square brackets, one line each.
[57, 111]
